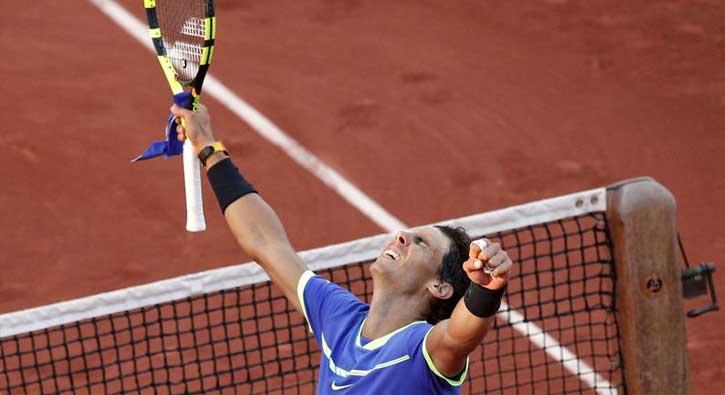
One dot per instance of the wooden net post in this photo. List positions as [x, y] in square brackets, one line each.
[641, 216]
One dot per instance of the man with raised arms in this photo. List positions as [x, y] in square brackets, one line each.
[433, 296]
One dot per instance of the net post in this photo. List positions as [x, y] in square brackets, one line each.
[641, 216]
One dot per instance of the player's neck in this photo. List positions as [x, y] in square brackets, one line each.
[390, 313]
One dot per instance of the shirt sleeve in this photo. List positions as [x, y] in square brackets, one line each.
[325, 303]
[420, 353]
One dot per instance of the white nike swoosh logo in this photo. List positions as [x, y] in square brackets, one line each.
[336, 387]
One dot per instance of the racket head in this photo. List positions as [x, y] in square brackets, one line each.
[183, 33]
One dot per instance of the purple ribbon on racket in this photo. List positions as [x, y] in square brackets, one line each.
[171, 146]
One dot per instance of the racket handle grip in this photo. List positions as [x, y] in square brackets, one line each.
[195, 221]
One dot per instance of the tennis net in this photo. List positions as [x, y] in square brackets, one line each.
[228, 331]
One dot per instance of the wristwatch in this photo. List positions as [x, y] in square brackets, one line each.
[209, 150]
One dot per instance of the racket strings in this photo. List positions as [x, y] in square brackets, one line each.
[182, 28]
[193, 27]
[185, 58]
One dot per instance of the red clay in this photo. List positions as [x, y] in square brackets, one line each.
[435, 110]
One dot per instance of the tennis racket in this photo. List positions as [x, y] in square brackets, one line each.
[183, 34]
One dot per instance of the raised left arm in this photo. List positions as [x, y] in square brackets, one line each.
[451, 341]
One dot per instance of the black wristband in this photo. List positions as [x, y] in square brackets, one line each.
[482, 302]
[227, 183]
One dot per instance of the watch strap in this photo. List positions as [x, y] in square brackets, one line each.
[210, 150]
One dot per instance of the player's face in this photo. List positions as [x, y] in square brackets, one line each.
[412, 258]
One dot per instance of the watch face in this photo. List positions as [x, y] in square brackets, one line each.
[204, 153]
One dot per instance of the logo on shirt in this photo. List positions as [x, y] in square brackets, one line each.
[336, 387]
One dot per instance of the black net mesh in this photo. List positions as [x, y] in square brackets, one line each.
[247, 340]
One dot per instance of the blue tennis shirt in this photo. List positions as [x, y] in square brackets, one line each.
[395, 364]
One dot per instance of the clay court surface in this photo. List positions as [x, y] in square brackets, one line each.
[434, 109]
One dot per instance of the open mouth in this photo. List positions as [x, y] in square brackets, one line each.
[392, 254]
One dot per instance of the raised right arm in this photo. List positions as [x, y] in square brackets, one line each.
[255, 225]
[261, 235]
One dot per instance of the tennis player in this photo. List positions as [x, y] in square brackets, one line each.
[433, 298]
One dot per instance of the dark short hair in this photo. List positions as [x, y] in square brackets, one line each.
[451, 272]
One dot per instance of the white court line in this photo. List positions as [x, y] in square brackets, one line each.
[353, 195]
[556, 351]
[264, 127]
